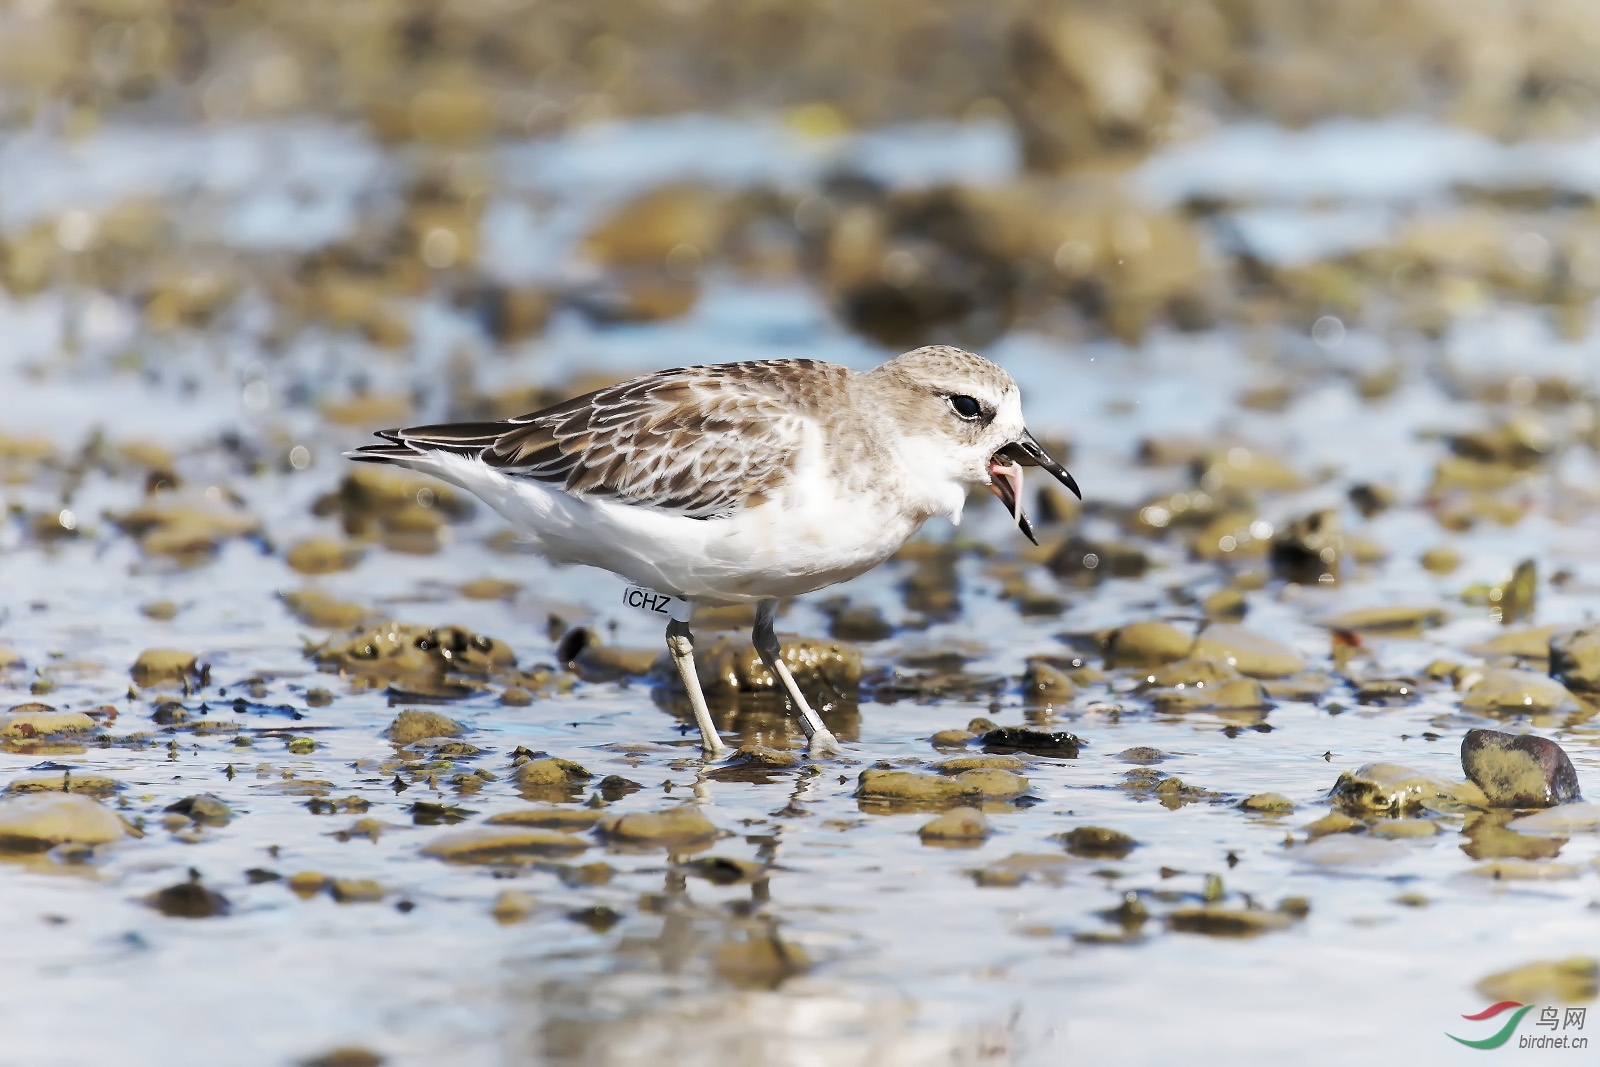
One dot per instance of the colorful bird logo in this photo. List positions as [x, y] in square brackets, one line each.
[1497, 1039]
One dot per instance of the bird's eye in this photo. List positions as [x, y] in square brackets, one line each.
[966, 407]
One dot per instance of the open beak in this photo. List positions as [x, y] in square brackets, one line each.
[1030, 453]
[1005, 477]
[1005, 482]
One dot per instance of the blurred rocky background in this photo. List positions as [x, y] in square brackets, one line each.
[1066, 241]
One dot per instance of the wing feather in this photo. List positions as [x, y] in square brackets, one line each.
[703, 441]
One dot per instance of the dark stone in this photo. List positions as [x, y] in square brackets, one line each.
[189, 900]
[1519, 770]
[1038, 742]
[599, 917]
[202, 807]
[1097, 842]
[1389, 692]
[1089, 562]
[1575, 659]
[615, 787]
[1307, 551]
[424, 813]
[170, 713]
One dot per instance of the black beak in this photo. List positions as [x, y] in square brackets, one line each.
[1029, 453]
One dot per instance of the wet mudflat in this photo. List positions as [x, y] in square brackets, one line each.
[305, 763]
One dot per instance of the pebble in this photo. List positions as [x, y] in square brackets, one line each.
[1043, 684]
[964, 825]
[678, 826]
[1191, 670]
[595, 662]
[412, 725]
[1388, 692]
[1575, 659]
[202, 807]
[1248, 652]
[726, 870]
[762, 960]
[958, 764]
[1142, 755]
[1217, 921]
[1397, 619]
[614, 787]
[1145, 644]
[1565, 819]
[1236, 693]
[1307, 688]
[1508, 691]
[41, 720]
[189, 900]
[1575, 980]
[307, 884]
[1270, 803]
[1441, 559]
[1388, 789]
[1225, 604]
[550, 777]
[480, 844]
[355, 890]
[1059, 743]
[161, 666]
[159, 610]
[993, 784]
[36, 821]
[490, 589]
[952, 738]
[1518, 770]
[1097, 842]
[1523, 644]
[1307, 550]
[316, 607]
[911, 788]
[824, 667]
[89, 785]
[345, 1056]
[1335, 822]
[513, 906]
[549, 816]
[322, 555]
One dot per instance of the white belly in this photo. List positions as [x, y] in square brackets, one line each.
[783, 547]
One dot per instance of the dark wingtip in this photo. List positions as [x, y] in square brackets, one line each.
[1027, 528]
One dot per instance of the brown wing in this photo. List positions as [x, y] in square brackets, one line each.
[703, 441]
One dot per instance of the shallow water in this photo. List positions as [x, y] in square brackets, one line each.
[910, 960]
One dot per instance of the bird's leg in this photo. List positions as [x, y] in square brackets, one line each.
[820, 740]
[680, 645]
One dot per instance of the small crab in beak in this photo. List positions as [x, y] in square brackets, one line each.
[1005, 477]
